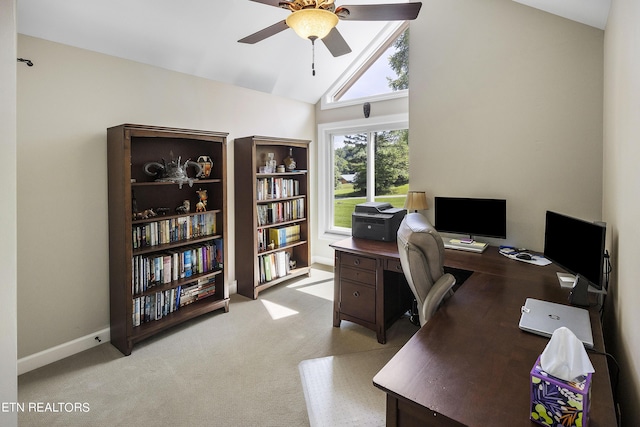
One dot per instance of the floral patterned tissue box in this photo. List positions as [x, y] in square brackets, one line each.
[559, 403]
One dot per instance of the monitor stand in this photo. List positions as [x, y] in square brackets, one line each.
[567, 280]
[468, 245]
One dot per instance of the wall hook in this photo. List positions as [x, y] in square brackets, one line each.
[26, 61]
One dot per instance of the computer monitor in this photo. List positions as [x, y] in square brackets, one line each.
[471, 216]
[576, 245]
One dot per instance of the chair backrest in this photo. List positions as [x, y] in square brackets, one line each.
[421, 254]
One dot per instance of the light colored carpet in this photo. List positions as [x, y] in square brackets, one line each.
[222, 369]
[339, 390]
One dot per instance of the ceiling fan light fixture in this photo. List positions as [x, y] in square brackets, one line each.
[312, 23]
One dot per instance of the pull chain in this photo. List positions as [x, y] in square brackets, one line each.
[313, 55]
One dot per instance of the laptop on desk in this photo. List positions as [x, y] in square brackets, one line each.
[543, 317]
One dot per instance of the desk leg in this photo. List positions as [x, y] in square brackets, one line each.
[336, 318]
[392, 411]
[405, 413]
[336, 289]
[381, 312]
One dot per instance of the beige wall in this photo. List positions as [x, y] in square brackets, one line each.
[66, 101]
[622, 196]
[506, 102]
[8, 212]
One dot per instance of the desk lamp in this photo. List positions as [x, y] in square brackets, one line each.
[416, 201]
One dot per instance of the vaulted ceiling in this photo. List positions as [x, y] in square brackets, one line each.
[199, 38]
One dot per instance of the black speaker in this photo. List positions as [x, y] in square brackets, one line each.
[580, 292]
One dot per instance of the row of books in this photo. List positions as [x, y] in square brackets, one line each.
[273, 265]
[275, 188]
[288, 210]
[282, 236]
[152, 307]
[174, 229]
[279, 236]
[162, 268]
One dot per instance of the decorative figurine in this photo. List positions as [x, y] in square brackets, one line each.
[206, 164]
[173, 171]
[184, 208]
[146, 214]
[270, 166]
[201, 206]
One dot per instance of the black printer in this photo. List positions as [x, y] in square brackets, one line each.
[376, 221]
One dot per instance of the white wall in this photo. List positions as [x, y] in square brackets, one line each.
[8, 236]
[621, 196]
[66, 101]
[506, 102]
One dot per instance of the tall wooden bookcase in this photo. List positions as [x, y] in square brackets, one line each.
[271, 213]
[165, 266]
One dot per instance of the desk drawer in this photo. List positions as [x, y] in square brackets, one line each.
[366, 277]
[358, 261]
[393, 265]
[358, 301]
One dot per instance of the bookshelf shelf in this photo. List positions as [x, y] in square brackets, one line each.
[177, 244]
[166, 268]
[265, 201]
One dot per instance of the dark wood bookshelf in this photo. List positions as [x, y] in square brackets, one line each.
[129, 148]
[250, 154]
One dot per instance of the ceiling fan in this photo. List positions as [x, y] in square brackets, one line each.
[317, 19]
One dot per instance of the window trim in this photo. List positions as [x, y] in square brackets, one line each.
[326, 173]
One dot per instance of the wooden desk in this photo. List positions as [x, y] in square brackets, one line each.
[370, 288]
[470, 364]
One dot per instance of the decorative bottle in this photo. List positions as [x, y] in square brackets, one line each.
[289, 161]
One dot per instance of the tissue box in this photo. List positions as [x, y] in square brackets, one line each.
[559, 403]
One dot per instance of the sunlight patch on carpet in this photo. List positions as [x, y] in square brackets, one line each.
[321, 290]
[277, 311]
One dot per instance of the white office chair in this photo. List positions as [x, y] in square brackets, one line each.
[422, 258]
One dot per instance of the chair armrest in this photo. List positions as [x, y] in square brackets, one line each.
[436, 294]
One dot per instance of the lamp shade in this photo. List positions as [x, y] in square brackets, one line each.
[312, 23]
[416, 201]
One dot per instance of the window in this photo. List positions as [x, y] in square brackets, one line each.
[380, 73]
[363, 162]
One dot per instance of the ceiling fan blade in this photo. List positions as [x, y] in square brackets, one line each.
[336, 43]
[379, 12]
[265, 33]
[275, 3]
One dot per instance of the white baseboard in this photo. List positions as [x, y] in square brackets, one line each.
[322, 260]
[59, 352]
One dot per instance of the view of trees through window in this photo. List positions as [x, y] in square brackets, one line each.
[387, 74]
[374, 166]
